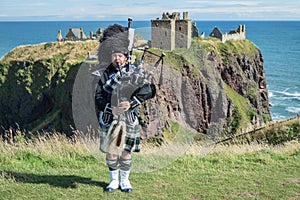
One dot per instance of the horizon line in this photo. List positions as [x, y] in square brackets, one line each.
[144, 20]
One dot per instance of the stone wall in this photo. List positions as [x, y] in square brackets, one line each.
[163, 34]
[183, 33]
[238, 34]
[171, 32]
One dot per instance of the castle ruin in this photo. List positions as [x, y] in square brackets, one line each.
[238, 34]
[171, 32]
[77, 34]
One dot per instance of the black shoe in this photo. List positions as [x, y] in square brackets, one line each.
[128, 190]
[110, 189]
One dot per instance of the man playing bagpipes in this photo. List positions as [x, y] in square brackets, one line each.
[120, 90]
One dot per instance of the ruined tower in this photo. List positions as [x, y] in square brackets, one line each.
[171, 32]
[183, 32]
[242, 31]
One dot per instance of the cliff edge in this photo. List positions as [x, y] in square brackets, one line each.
[212, 87]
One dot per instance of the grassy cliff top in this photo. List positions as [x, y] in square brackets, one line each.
[45, 51]
[243, 47]
[77, 49]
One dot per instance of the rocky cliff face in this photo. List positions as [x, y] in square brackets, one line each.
[217, 89]
[245, 74]
[213, 88]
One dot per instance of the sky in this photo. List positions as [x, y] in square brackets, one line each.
[95, 10]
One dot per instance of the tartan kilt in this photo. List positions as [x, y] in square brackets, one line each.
[132, 138]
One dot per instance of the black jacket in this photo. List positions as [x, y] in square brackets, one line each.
[114, 87]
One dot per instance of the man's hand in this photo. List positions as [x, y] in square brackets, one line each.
[123, 106]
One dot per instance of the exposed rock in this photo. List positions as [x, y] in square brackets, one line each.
[192, 91]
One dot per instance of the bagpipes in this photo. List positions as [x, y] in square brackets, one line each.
[151, 72]
[115, 139]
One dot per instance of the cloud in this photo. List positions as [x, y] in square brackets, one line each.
[143, 10]
[22, 4]
[141, 4]
[243, 9]
[222, 3]
[114, 12]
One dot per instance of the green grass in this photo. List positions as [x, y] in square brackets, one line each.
[222, 50]
[272, 134]
[171, 59]
[57, 168]
[242, 106]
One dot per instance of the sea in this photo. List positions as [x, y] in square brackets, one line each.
[279, 42]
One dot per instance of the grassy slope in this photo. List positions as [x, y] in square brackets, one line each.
[242, 106]
[56, 169]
